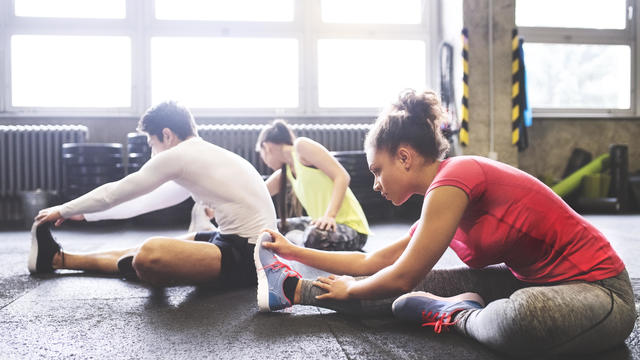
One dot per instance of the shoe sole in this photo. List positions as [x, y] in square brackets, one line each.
[33, 253]
[263, 284]
[468, 296]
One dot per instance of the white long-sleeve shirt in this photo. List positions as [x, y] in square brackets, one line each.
[213, 176]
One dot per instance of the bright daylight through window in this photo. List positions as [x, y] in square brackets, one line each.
[585, 62]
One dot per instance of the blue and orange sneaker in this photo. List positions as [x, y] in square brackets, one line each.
[272, 273]
[431, 310]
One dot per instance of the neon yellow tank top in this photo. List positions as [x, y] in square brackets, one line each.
[314, 188]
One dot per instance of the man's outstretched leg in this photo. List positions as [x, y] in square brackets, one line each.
[46, 255]
[159, 261]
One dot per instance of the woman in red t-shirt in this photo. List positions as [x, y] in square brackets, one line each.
[541, 279]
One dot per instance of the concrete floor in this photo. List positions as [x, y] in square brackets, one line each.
[77, 315]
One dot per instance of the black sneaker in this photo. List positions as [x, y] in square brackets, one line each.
[125, 267]
[43, 248]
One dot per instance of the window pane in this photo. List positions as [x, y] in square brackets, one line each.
[368, 73]
[229, 10]
[578, 76]
[595, 14]
[94, 9]
[377, 11]
[225, 72]
[70, 71]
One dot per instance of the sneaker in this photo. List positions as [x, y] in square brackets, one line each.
[272, 273]
[296, 237]
[43, 249]
[125, 267]
[430, 310]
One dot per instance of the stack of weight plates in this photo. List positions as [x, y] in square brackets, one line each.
[87, 166]
[138, 151]
[374, 205]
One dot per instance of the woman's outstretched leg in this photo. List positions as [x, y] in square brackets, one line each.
[573, 317]
[491, 283]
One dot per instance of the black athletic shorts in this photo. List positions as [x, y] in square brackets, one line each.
[238, 268]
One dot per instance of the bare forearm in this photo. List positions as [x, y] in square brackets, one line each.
[340, 186]
[342, 263]
[382, 284]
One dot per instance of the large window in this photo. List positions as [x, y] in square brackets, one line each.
[580, 56]
[70, 71]
[225, 73]
[224, 57]
[368, 73]
[236, 10]
[90, 9]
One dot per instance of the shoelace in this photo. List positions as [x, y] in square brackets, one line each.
[438, 321]
[277, 265]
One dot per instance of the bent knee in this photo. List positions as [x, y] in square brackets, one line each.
[149, 256]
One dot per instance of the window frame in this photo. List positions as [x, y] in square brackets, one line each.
[580, 36]
[140, 25]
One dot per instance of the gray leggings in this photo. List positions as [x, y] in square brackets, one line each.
[344, 238]
[522, 319]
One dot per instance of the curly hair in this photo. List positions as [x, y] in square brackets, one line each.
[414, 119]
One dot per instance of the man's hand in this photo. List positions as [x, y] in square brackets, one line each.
[337, 287]
[53, 214]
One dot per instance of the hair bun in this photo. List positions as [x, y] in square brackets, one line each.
[424, 106]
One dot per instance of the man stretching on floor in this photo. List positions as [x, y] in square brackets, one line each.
[182, 165]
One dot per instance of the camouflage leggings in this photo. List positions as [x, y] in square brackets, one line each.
[344, 238]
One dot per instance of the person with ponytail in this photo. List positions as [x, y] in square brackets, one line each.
[336, 220]
[540, 280]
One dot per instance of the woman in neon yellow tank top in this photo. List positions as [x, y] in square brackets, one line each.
[336, 220]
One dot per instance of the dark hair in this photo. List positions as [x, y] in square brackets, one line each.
[278, 132]
[413, 120]
[171, 115]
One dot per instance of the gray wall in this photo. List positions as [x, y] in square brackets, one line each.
[476, 20]
[553, 140]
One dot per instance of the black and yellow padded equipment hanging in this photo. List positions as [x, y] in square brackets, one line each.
[464, 128]
[516, 112]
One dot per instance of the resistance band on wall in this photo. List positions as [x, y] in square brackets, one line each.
[450, 127]
[464, 128]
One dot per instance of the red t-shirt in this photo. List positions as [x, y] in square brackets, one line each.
[514, 218]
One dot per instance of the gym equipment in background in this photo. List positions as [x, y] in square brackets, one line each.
[573, 181]
[579, 158]
[598, 205]
[596, 185]
[600, 191]
[451, 127]
[89, 165]
[31, 161]
[634, 189]
[138, 151]
[619, 165]
[464, 128]
[373, 205]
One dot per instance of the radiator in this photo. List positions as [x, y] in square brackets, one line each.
[241, 139]
[30, 156]
[30, 159]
